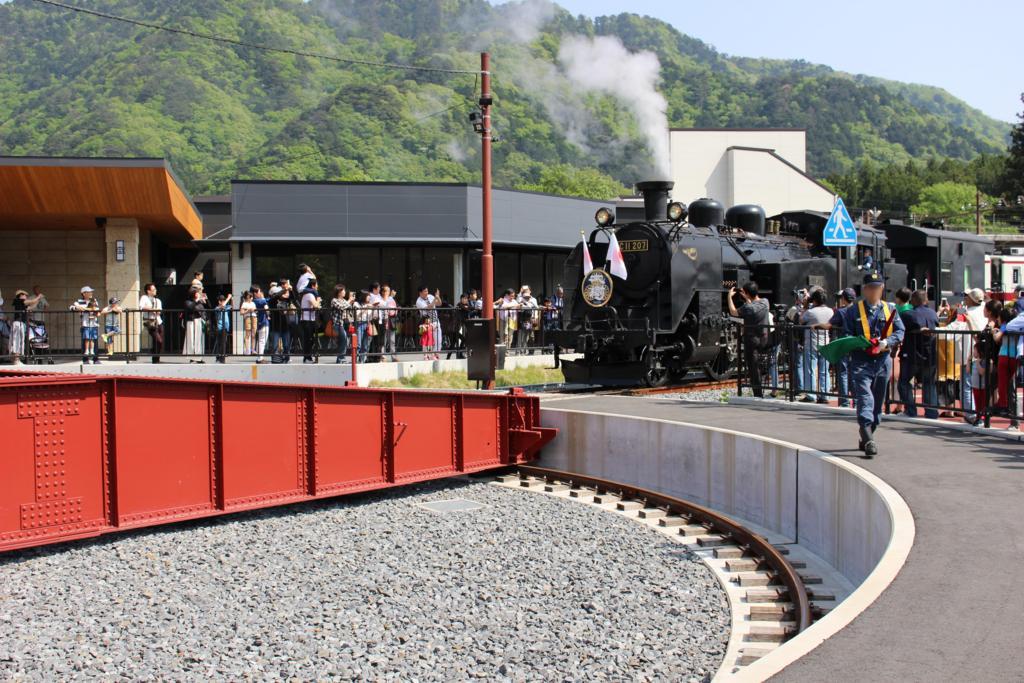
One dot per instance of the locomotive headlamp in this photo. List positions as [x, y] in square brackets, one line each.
[676, 212]
[604, 217]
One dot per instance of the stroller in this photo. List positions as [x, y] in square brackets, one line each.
[39, 342]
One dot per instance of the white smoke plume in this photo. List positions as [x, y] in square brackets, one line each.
[604, 65]
[528, 18]
[518, 22]
[456, 151]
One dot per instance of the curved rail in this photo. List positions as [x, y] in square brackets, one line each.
[752, 543]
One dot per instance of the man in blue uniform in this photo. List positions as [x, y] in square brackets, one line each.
[876, 321]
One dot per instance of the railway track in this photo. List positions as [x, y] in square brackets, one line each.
[696, 383]
[683, 388]
[770, 597]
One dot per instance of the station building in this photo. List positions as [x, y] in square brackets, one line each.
[115, 224]
[406, 234]
[111, 224]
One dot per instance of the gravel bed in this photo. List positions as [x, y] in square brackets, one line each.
[529, 587]
[703, 395]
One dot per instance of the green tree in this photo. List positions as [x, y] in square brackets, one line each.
[577, 182]
[1014, 179]
[947, 200]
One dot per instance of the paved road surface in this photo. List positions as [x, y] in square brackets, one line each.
[956, 610]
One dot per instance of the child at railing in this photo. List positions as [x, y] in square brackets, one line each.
[427, 338]
[979, 381]
[248, 312]
[89, 308]
[111, 315]
[222, 327]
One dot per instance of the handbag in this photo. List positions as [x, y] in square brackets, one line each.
[371, 330]
[329, 331]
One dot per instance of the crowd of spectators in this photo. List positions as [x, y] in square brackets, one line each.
[265, 323]
[969, 352]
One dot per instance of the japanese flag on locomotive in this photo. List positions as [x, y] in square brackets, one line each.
[588, 265]
[617, 263]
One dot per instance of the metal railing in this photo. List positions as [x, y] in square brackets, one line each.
[264, 335]
[948, 372]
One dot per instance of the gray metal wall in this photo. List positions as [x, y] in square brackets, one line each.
[402, 212]
[327, 212]
[534, 219]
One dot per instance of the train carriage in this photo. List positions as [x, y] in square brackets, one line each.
[1004, 273]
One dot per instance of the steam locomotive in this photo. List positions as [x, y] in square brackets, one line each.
[669, 315]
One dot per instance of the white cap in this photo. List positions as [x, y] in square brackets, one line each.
[87, 288]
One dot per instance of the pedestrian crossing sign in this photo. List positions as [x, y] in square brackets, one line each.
[840, 230]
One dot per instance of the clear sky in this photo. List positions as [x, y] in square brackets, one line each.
[973, 48]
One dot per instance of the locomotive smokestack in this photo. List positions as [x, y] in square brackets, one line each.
[655, 193]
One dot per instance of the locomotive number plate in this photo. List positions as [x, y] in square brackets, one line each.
[633, 245]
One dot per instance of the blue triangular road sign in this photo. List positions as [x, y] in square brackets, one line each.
[840, 230]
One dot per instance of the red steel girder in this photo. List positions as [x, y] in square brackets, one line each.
[88, 455]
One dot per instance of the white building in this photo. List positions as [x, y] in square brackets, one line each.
[765, 166]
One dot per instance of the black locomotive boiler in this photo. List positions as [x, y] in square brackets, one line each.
[669, 315]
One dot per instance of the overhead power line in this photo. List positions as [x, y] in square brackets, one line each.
[254, 46]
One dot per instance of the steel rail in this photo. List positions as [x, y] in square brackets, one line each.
[750, 542]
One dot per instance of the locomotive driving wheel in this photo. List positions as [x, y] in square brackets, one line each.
[655, 374]
[724, 363]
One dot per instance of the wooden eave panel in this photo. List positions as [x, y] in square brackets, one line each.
[75, 196]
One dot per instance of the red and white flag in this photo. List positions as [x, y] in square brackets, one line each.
[618, 264]
[588, 265]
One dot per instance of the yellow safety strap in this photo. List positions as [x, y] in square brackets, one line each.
[864, 317]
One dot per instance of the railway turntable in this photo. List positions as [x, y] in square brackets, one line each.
[88, 455]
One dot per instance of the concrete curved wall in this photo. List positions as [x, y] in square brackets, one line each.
[840, 512]
[778, 486]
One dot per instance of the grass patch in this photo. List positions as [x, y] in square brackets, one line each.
[457, 379]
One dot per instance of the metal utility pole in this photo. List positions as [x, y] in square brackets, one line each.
[977, 211]
[839, 268]
[487, 258]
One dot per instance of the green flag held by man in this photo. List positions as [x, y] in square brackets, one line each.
[835, 350]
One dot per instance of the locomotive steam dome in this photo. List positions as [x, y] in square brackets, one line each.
[749, 217]
[705, 213]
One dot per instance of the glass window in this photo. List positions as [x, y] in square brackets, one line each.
[359, 266]
[416, 279]
[506, 271]
[555, 264]
[267, 268]
[946, 277]
[438, 270]
[533, 273]
[324, 265]
[473, 276]
[393, 272]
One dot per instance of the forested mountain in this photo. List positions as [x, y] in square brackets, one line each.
[73, 84]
